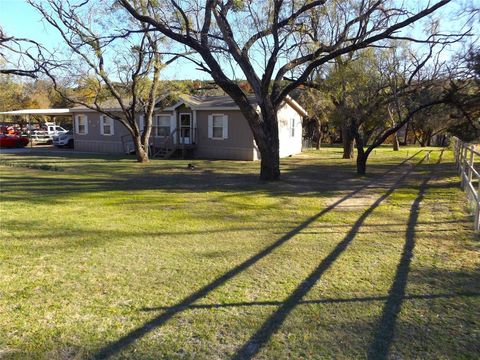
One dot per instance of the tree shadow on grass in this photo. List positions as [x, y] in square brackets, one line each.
[256, 342]
[184, 304]
[385, 331]
[365, 299]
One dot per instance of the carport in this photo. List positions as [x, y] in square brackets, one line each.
[26, 114]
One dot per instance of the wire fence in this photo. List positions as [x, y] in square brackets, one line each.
[465, 155]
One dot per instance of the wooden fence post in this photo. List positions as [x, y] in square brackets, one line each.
[472, 149]
[477, 212]
[471, 188]
[455, 150]
[464, 165]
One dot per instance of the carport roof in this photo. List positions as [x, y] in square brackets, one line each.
[37, 112]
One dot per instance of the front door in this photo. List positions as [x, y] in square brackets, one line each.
[185, 129]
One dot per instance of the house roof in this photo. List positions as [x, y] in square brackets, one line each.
[109, 105]
[224, 103]
[208, 102]
[195, 103]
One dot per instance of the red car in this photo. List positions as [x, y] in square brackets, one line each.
[9, 141]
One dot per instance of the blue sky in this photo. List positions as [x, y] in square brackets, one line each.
[20, 19]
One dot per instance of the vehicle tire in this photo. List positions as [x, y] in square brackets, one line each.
[19, 144]
[70, 144]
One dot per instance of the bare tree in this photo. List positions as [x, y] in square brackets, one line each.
[269, 40]
[20, 56]
[402, 89]
[465, 95]
[318, 108]
[121, 66]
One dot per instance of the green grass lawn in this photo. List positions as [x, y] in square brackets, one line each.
[103, 257]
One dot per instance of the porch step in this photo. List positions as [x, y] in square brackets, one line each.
[163, 153]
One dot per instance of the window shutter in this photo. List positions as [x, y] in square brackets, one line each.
[102, 124]
[141, 123]
[225, 126]
[173, 123]
[111, 126]
[76, 123]
[210, 126]
[173, 126]
[86, 124]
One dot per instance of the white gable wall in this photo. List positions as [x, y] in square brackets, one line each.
[289, 145]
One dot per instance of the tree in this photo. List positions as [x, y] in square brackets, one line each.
[404, 88]
[270, 40]
[318, 108]
[343, 83]
[109, 63]
[379, 91]
[12, 94]
[20, 56]
[465, 97]
[430, 123]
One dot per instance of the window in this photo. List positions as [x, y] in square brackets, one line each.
[162, 125]
[141, 123]
[106, 125]
[292, 127]
[218, 126]
[81, 125]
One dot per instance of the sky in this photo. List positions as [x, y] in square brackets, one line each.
[20, 19]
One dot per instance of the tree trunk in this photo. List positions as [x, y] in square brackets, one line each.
[318, 134]
[443, 140]
[429, 138]
[405, 138]
[396, 145]
[361, 154]
[269, 146]
[269, 164]
[140, 150]
[361, 163]
[347, 140]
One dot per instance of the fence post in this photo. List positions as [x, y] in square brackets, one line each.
[455, 150]
[470, 188]
[470, 171]
[462, 166]
[477, 217]
[468, 174]
[477, 208]
[465, 166]
[460, 153]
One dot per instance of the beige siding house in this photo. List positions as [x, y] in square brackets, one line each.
[204, 127]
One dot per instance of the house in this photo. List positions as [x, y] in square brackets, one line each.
[204, 127]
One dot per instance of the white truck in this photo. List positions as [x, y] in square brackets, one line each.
[47, 133]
